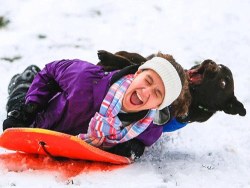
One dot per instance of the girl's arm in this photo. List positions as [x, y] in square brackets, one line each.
[173, 125]
[49, 81]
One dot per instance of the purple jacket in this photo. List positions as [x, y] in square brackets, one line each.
[84, 86]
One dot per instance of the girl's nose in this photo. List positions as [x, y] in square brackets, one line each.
[148, 91]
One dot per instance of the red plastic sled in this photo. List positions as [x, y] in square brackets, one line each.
[47, 142]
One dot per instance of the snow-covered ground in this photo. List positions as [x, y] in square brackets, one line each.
[212, 154]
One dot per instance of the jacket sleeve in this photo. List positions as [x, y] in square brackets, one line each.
[173, 125]
[151, 134]
[56, 72]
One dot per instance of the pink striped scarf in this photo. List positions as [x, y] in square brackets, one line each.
[105, 128]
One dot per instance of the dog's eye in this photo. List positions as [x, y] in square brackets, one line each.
[222, 83]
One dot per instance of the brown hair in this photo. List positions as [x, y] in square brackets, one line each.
[180, 106]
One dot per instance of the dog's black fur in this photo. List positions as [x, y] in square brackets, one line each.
[211, 85]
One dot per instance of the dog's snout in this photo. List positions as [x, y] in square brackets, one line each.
[209, 62]
[211, 65]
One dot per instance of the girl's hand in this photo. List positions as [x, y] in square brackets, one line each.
[132, 149]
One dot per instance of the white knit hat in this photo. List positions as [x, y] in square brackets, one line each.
[169, 76]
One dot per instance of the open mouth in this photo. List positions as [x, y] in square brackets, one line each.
[207, 69]
[136, 99]
[195, 76]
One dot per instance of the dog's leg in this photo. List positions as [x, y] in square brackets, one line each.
[111, 61]
[132, 57]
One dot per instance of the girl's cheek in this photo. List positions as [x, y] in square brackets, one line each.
[155, 102]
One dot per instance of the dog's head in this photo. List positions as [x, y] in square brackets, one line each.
[212, 89]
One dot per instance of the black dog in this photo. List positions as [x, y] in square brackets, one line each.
[211, 85]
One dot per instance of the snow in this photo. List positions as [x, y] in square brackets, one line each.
[212, 154]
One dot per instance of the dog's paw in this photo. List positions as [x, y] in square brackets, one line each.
[103, 55]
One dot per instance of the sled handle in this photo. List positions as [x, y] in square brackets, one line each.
[43, 144]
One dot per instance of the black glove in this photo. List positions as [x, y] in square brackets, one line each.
[53, 86]
[30, 111]
[21, 116]
[32, 108]
[132, 148]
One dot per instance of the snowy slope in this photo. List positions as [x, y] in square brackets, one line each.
[211, 154]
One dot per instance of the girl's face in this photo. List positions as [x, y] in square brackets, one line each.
[145, 92]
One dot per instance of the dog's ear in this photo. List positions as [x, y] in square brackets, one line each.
[234, 107]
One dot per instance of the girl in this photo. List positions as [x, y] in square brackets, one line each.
[110, 110]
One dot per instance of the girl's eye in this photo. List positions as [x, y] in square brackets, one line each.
[157, 93]
[148, 82]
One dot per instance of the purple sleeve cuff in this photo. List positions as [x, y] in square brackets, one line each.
[151, 134]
